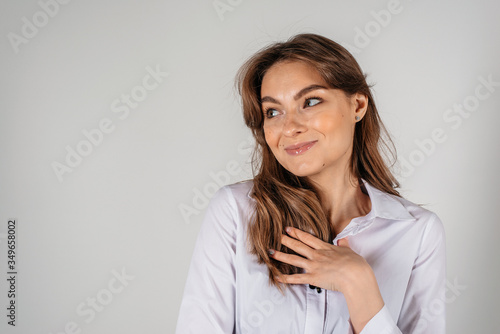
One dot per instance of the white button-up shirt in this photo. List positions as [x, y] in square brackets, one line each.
[227, 291]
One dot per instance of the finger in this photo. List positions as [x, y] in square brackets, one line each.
[292, 259]
[293, 279]
[344, 242]
[297, 245]
[305, 237]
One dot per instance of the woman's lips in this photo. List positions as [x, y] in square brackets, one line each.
[300, 148]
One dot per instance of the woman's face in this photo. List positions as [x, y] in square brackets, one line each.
[308, 126]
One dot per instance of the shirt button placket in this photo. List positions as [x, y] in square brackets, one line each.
[315, 310]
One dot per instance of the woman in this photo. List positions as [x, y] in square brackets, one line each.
[320, 241]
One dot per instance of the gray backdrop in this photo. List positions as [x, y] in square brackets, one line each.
[119, 120]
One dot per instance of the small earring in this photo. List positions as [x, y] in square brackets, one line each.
[357, 118]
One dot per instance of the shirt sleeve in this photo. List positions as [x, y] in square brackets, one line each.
[208, 303]
[423, 308]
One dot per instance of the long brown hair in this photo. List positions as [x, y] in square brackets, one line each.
[282, 198]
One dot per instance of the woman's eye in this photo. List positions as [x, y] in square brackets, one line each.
[312, 102]
[270, 113]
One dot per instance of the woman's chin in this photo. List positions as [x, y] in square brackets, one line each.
[303, 171]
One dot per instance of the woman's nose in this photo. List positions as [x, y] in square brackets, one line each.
[294, 124]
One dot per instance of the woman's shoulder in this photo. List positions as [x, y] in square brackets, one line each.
[400, 208]
[233, 196]
[240, 190]
[419, 211]
[426, 220]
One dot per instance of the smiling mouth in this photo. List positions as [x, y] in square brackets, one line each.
[300, 148]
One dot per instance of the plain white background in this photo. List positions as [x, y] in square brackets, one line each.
[134, 201]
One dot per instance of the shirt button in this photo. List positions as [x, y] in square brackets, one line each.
[315, 287]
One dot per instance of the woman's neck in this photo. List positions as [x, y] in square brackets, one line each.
[342, 200]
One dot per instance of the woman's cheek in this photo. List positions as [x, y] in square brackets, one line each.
[270, 137]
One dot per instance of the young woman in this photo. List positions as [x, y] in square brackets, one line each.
[320, 241]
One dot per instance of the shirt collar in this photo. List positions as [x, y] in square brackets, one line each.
[384, 205]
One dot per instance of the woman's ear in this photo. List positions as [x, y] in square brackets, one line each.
[360, 105]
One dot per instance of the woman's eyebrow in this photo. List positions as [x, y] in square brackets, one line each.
[297, 96]
[306, 90]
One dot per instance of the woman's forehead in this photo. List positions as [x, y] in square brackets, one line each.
[290, 76]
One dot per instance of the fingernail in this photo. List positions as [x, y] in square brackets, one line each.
[288, 229]
[270, 251]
